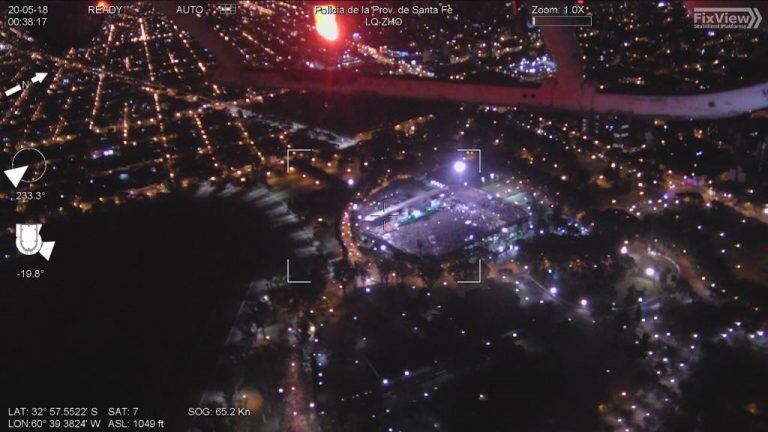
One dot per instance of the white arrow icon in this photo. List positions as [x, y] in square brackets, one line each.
[38, 78]
[15, 174]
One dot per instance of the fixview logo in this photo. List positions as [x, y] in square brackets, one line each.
[726, 18]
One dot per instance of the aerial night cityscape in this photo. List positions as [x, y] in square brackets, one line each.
[387, 216]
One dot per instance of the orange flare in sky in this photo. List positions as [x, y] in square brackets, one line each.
[326, 24]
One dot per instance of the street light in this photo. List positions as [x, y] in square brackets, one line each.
[459, 166]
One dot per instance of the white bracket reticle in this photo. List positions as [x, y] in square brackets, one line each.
[288, 274]
[288, 157]
[479, 274]
[479, 157]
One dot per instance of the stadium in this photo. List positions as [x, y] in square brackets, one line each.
[424, 217]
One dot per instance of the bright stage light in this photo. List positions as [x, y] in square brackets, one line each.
[459, 166]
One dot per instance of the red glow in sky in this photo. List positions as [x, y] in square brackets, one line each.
[326, 26]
